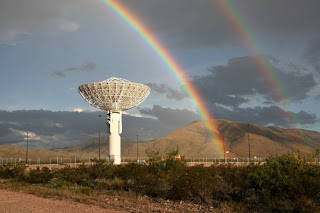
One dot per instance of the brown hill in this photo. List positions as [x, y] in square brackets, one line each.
[91, 147]
[194, 141]
[34, 154]
[86, 150]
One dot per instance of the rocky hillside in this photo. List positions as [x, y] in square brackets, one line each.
[193, 141]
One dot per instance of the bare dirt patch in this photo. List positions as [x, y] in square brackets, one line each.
[26, 199]
[21, 202]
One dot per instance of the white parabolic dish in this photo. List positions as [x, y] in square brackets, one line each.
[114, 94]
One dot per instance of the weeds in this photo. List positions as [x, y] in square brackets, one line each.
[284, 184]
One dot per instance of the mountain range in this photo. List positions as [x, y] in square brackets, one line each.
[194, 140]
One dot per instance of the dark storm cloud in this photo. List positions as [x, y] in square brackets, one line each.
[86, 67]
[312, 54]
[62, 129]
[165, 89]
[187, 23]
[192, 23]
[230, 85]
[4, 130]
[19, 19]
[272, 115]
[264, 116]
[171, 117]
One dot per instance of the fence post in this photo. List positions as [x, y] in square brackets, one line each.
[57, 161]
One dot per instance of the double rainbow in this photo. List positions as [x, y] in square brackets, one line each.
[172, 66]
[238, 23]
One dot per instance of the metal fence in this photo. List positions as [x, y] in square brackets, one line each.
[11, 161]
[39, 161]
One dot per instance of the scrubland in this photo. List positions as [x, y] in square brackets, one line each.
[287, 183]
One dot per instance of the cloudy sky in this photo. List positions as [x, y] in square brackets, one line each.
[49, 48]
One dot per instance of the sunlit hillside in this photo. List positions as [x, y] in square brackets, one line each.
[192, 141]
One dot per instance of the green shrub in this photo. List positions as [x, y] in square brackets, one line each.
[283, 184]
[12, 172]
[109, 184]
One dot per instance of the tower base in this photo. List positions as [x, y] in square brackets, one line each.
[115, 129]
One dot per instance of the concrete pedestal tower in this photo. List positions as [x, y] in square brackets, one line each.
[114, 122]
[114, 95]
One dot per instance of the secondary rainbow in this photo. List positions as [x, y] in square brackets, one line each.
[242, 29]
[173, 67]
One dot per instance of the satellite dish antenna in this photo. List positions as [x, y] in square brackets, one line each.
[114, 95]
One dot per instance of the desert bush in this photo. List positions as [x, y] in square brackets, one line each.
[285, 183]
[12, 172]
[109, 184]
[38, 175]
[58, 183]
[192, 183]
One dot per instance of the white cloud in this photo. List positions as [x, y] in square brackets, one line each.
[60, 125]
[133, 115]
[31, 135]
[77, 110]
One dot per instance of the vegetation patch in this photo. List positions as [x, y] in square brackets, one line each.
[286, 183]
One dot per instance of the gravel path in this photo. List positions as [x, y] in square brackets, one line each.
[21, 202]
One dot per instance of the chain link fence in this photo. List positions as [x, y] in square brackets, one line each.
[74, 161]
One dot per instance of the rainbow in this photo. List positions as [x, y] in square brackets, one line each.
[242, 29]
[173, 67]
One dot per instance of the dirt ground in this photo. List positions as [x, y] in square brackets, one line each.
[21, 202]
